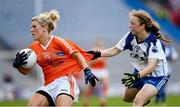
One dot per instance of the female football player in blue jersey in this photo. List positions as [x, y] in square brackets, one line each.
[148, 58]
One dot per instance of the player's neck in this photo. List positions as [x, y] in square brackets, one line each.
[142, 36]
[45, 40]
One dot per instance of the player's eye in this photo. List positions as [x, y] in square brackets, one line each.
[34, 26]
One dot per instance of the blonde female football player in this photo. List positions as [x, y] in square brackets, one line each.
[147, 57]
[59, 59]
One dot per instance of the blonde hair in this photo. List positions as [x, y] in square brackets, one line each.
[48, 18]
[150, 24]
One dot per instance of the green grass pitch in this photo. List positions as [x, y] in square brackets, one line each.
[172, 100]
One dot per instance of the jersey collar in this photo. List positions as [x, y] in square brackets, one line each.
[150, 38]
[45, 47]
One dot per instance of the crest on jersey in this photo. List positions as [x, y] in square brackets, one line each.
[154, 49]
[46, 55]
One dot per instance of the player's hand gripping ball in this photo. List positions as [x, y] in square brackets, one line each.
[26, 58]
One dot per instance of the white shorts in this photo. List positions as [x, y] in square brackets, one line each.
[63, 85]
[100, 73]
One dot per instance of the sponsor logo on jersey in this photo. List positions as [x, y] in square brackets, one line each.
[60, 53]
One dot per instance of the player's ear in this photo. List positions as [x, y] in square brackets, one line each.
[143, 26]
[45, 28]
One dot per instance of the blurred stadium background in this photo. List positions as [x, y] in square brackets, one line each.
[82, 21]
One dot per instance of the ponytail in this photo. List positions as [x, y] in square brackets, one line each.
[155, 30]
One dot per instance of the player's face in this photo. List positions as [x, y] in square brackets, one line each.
[134, 25]
[36, 30]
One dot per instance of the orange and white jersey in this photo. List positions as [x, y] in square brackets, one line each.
[55, 58]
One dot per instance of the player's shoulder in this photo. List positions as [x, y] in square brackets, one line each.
[57, 39]
[128, 37]
[60, 41]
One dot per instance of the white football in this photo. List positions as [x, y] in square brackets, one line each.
[32, 58]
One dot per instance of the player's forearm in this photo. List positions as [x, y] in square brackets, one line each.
[149, 69]
[110, 52]
[81, 60]
[146, 71]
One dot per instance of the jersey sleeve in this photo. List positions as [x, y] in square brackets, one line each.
[124, 43]
[157, 51]
[66, 46]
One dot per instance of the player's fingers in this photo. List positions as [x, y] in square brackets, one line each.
[86, 81]
[92, 82]
[23, 63]
[123, 80]
[21, 54]
[17, 54]
[128, 74]
[127, 81]
[126, 85]
[131, 86]
[126, 78]
[97, 79]
[24, 55]
[23, 58]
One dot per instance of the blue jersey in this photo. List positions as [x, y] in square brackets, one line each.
[141, 52]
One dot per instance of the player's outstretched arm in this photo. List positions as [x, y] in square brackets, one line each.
[110, 52]
[105, 53]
